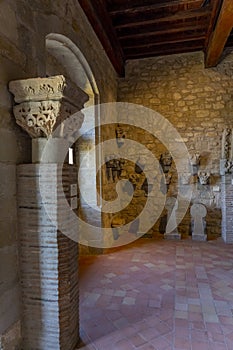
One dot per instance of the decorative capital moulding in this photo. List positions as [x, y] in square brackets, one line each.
[44, 103]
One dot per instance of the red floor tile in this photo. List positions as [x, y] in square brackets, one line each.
[156, 294]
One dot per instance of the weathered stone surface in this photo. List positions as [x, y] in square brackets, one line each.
[45, 104]
[11, 52]
[11, 338]
[199, 115]
[198, 213]
[205, 84]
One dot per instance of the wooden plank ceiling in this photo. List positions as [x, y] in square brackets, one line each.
[134, 29]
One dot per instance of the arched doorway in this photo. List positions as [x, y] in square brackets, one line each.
[70, 61]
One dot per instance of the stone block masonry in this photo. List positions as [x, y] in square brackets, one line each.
[198, 103]
[48, 261]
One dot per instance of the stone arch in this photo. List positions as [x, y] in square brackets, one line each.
[77, 69]
[75, 63]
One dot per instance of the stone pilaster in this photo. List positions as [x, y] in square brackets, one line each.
[226, 171]
[227, 208]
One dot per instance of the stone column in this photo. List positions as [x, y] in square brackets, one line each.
[48, 258]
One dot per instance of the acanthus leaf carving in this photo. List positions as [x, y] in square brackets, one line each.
[37, 118]
[44, 104]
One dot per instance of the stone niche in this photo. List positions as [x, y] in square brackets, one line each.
[48, 258]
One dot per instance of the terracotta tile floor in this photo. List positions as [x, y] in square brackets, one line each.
[157, 294]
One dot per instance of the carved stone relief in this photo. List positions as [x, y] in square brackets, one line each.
[120, 135]
[166, 161]
[195, 159]
[44, 103]
[114, 168]
[37, 118]
[195, 162]
[203, 177]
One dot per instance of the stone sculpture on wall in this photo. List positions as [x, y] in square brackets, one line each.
[120, 135]
[166, 161]
[114, 168]
[195, 158]
[203, 177]
[195, 162]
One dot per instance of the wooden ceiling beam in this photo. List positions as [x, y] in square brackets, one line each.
[127, 4]
[175, 40]
[168, 50]
[220, 34]
[180, 19]
[216, 6]
[160, 15]
[167, 7]
[99, 19]
[176, 27]
[230, 40]
[159, 34]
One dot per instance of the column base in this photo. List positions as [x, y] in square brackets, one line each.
[201, 238]
[172, 236]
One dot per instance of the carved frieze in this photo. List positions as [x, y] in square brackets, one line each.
[38, 89]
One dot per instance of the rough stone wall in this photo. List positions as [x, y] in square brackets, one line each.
[23, 30]
[198, 102]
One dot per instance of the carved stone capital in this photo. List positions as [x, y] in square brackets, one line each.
[44, 103]
[203, 177]
[37, 118]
